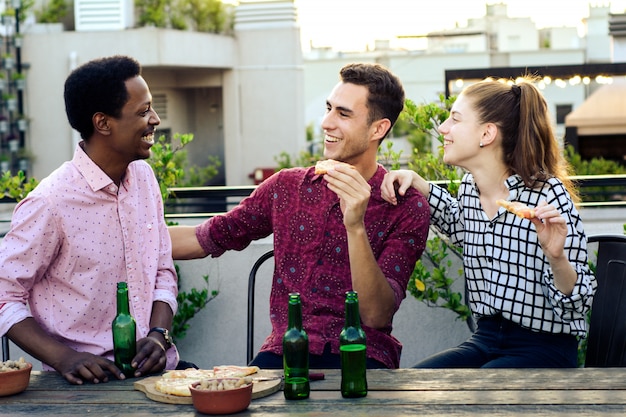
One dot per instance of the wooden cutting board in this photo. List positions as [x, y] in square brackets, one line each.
[259, 389]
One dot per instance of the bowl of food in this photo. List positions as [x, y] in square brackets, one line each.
[221, 395]
[14, 376]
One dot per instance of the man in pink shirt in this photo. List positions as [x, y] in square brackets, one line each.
[96, 220]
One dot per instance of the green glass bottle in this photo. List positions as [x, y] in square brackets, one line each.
[124, 333]
[296, 353]
[352, 349]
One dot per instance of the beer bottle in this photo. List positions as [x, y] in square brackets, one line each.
[352, 349]
[296, 353]
[124, 333]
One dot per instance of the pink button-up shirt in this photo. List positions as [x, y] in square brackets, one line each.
[72, 239]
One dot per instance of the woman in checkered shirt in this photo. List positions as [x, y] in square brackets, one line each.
[529, 284]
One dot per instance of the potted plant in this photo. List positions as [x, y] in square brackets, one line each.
[24, 159]
[5, 162]
[21, 122]
[10, 101]
[19, 80]
[13, 142]
[8, 62]
[4, 124]
[52, 12]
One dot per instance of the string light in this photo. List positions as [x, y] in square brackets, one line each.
[542, 83]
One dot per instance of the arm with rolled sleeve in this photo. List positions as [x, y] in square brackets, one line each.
[446, 214]
[571, 308]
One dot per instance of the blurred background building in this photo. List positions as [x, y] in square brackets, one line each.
[249, 94]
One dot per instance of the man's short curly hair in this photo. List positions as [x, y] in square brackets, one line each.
[98, 86]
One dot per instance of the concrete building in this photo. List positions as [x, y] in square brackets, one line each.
[241, 95]
[249, 97]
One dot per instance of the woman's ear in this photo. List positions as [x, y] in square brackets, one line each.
[490, 133]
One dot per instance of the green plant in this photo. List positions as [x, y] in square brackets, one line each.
[212, 16]
[433, 284]
[168, 163]
[52, 12]
[207, 15]
[25, 6]
[189, 304]
[16, 186]
[595, 166]
[431, 281]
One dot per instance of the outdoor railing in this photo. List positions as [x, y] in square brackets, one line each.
[202, 202]
[189, 202]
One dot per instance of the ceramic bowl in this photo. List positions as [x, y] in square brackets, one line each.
[227, 401]
[14, 382]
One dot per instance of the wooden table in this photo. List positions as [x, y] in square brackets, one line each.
[393, 393]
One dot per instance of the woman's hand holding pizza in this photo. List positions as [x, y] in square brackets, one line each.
[549, 223]
[551, 230]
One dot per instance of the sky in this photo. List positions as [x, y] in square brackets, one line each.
[349, 25]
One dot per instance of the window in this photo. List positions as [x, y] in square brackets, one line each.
[562, 110]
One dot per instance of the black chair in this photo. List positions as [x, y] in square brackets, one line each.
[251, 285]
[5, 349]
[606, 343]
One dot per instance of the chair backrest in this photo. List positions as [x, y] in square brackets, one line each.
[251, 286]
[5, 349]
[606, 343]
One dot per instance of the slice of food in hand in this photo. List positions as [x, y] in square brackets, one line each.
[322, 167]
[517, 208]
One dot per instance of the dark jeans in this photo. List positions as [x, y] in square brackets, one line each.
[500, 343]
[327, 360]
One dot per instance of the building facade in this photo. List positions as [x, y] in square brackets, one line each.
[249, 97]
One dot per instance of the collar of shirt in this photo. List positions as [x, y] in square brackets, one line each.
[93, 174]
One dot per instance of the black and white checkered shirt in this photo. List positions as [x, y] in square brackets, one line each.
[505, 268]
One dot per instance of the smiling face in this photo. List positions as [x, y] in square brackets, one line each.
[462, 134]
[347, 131]
[133, 132]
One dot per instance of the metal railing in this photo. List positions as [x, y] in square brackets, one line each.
[203, 202]
[188, 202]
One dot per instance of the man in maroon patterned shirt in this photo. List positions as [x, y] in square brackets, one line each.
[332, 233]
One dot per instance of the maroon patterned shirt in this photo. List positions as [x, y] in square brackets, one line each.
[311, 252]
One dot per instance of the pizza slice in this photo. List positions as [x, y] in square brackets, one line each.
[517, 208]
[322, 167]
[233, 371]
[176, 382]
